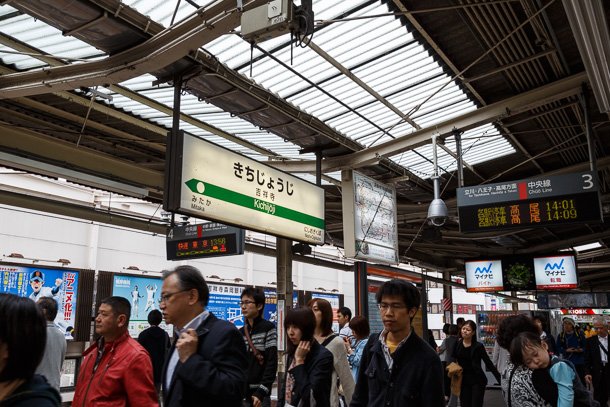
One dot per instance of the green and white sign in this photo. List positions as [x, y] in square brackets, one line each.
[227, 187]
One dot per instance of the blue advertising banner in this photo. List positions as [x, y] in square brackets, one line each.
[36, 283]
[143, 295]
[224, 303]
[270, 310]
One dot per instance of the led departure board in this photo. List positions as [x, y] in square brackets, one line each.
[204, 240]
[547, 201]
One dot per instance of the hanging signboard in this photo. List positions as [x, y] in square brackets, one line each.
[522, 273]
[369, 219]
[535, 202]
[484, 276]
[211, 182]
[555, 272]
[572, 300]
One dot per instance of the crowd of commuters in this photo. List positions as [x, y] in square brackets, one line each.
[209, 362]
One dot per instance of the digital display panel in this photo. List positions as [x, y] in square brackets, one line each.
[143, 294]
[518, 214]
[536, 202]
[484, 276]
[37, 282]
[555, 272]
[204, 240]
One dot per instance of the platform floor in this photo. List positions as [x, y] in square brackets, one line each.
[493, 398]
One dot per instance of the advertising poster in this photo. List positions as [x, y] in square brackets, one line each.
[224, 303]
[35, 283]
[270, 310]
[143, 294]
[484, 275]
[555, 272]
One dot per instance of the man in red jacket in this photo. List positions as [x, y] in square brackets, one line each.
[116, 370]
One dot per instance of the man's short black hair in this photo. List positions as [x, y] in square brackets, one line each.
[346, 312]
[23, 330]
[400, 288]
[257, 294]
[119, 305]
[190, 278]
[48, 306]
[155, 317]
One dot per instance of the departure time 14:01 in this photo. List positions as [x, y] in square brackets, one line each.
[561, 209]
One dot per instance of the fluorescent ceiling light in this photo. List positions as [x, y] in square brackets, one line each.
[375, 278]
[589, 246]
[588, 22]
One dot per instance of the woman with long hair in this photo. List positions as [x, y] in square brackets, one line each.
[307, 381]
[361, 330]
[469, 353]
[325, 336]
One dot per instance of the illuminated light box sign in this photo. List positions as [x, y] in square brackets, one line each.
[204, 240]
[484, 276]
[541, 201]
[37, 282]
[211, 182]
[369, 219]
[555, 272]
[143, 294]
[522, 273]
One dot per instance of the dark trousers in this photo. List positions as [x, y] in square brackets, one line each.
[446, 381]
[471, 395]
[600, 391]
[580, 370]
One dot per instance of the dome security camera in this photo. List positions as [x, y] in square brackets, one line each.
[437, 212]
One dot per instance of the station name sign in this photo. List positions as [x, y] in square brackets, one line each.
[534, 202]
[208, 181]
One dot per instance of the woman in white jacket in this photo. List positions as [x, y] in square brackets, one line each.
[342, 381]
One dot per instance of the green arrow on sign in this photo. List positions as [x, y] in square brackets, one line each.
[226, 195]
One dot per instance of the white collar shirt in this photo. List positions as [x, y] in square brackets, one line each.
[173, 360]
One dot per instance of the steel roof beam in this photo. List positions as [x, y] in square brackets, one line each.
[497, 111]
[163, 49]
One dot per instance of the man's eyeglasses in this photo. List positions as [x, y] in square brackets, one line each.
[165, 297]
[246, 303]
[385, 307]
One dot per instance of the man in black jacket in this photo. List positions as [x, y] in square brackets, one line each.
[260, 336]
[156, 342]
[207, 364]
[398, 368]
[596, 360]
